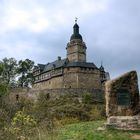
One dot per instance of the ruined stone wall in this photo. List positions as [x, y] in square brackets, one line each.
[122, 102]
[122, 95]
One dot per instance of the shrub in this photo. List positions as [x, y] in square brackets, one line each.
[3, 90]
[22, 125]
[87, 98]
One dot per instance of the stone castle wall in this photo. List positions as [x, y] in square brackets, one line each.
[89, 79]
[96, 94]
[55, 82]
[73, 78]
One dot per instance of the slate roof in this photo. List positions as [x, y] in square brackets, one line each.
[64, 63]
[41, 66]
[76, 34]
[81, 64]
[56, 64]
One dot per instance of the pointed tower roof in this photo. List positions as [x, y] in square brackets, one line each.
[101, 67]
[76, 34]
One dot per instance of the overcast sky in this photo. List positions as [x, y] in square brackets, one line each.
[40, 29]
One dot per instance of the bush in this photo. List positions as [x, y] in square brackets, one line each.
[48, 113]
[21, 125]
[87, 98]
[3, 89]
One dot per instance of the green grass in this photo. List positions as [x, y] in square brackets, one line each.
[88, 131]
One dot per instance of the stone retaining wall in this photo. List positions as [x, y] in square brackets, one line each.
[97, 94]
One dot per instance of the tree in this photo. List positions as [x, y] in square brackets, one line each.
[3, 86]
[3, 90]
[1, 71]
[25, 69]
[8, 70]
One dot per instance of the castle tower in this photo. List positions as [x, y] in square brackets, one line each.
[103, 75]
[76, 48]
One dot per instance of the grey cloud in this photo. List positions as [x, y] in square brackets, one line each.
[111, 36]
[114, 37]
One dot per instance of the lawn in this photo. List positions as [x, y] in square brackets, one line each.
[88, 131]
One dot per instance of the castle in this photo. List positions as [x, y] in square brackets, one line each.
[72, 72]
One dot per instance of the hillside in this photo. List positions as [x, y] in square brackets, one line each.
[89, 131]
[67, 117]
[26, 118]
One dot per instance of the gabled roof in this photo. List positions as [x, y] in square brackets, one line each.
[41, 66]
[55, 64]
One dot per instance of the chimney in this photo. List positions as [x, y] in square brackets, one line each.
[59, 57]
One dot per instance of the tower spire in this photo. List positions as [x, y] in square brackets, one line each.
[102, 67]
[76, 34]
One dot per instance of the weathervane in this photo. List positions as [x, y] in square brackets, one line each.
[101, 63]
[76, 20]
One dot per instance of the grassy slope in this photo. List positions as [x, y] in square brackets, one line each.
[64, 110]
[88, 131]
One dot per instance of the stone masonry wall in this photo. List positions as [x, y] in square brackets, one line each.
[89, 80]
[70, 80]
[73, 78]
[55, 82]
[76, 51]
[122, 102]
[124, 122]
[128, 85]
[98, 95]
